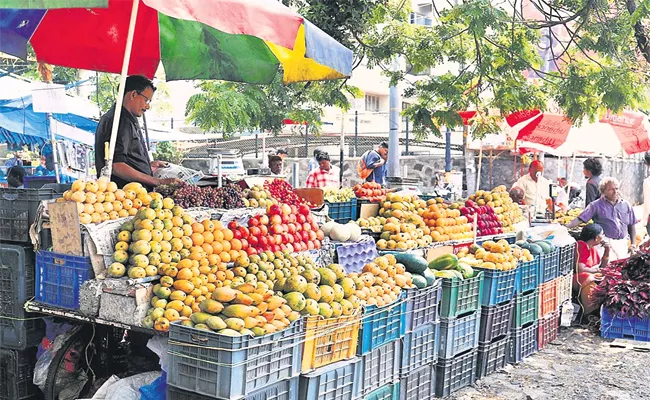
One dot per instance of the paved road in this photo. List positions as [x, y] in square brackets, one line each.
[579, 365]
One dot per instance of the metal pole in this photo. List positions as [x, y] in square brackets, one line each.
[393, 133]
[356, 131]
[306, 140]
[172, 122]
[407, 136]
[256, 139]
[46, 76]
[341, 157]
[448, 150]
[480, 164]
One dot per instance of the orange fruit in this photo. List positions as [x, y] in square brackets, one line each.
[234, 254]
[218, 226]
[208, 225]
[208, 237]
[197, 238]
[236, 244]
[218, 235]
[225, 257]
[207, 248]
[226, 245]
[229, 274]
[184, 274]
[217, 247]
[227, 235]
[197, 227]
[214, 259]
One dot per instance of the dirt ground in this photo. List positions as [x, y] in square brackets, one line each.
[579, 365]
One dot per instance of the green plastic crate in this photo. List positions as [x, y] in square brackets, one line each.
[388, 392]
[461, 296]
[526, 309]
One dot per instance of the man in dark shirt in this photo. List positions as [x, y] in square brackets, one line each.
[131, 162]
[592, 170]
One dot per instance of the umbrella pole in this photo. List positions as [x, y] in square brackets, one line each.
[480, 164]
[341, 150]
[46, 75]
[108, 168]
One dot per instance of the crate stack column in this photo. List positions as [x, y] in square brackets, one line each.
[566, 269]
[548, 323]
[460, 318]
[525, 312]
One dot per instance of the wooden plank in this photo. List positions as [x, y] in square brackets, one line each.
[66, 231]
[436, 252]
[312, 195]
[631, 344]
[369, 210]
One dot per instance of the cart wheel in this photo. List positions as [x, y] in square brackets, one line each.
[69, 369]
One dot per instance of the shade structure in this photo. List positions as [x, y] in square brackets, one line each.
[233, 40]
[554, 134]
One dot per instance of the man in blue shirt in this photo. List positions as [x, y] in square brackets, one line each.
[376, 161]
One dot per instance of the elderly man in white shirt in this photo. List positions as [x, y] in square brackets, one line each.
[535, 187]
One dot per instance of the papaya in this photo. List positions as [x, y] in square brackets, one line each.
[444, 262]
[414, 264]
[448, 274]
[419, 281]
[465, 270]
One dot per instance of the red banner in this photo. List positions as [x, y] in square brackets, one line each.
[521, 116]
[548, 129]
[629, 129]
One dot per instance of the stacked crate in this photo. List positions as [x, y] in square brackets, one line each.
[420, 343]
[548, 298]
[460, 317]
[525, 312]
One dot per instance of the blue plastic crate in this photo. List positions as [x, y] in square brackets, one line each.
[549, 266]
[523, 343]
[227, 367]
[377, 368]
[614, 326]
[527, 276]
[420, 347]
[342, 212]
[498, 286]
[422, 306]
[336, 381]
[380, 325]
[18, 329]
[388, 392]
[59, 278]
[459, 334]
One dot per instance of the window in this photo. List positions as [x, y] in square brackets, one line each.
[405, 105]
[372, 103]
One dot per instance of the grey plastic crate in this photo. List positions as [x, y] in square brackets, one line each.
[523, 343]
[495, 321]
[388, 392]
[222, 366]
[456, 373]
[18, 209]
[420, 384]
[458, 335]
[492, 357]
[422, 305]
[567, 259]
[284, 390]
[420, 347]
[333, 382]
[16, 374]
[378, 368]
[18, 329]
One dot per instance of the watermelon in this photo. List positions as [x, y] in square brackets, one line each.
[549, 244]
[534, 249]
[521, 243]
[413, 263]
[419, 281]
[544, 246]
[429, 275]
[444, 262]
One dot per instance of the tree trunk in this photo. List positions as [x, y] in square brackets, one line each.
[639, 32]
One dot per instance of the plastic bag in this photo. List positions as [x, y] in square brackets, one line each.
[129, 388]
[45, 359]
[156, 390]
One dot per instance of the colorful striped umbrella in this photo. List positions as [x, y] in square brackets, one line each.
[233, 40]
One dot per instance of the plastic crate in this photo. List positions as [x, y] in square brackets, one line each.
[18, 329]
[460, 296]
[523, 343]
[342, 212]
[330, 340]
[567, 261]
[18, 209]
[16, 374]
[498, 286]
[495, 321]
[284, 390]
[419, 384]
[458, 334]
[380, 325]
[334, 382]
[547, 298]
[526, 309]
[527, 276]
[420, 347]
[548, 328]
[492, 357]
[388, 392]
[422, 306]
[549, 266]
[456, 373]
[59, 278]
[378, 368]
[222, 366]
[615, 326]
[353, 256]
[564, 288]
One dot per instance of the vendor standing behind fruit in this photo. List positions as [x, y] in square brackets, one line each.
[535, 187]
[372, 166]
[131, 162]
[592, 170]
[616, 217]
[326, 175]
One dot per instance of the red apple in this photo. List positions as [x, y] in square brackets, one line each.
[250, 251]
[301, 219]
[304, 210]
[255, 221]
[306, 227]
[276, 220]
[264, 230]
[274, 209]
[232, 225]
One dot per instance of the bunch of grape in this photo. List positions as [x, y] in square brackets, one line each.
[168, 190]
[227, 197]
